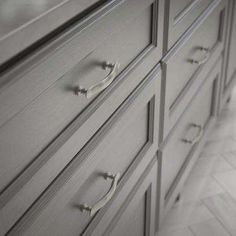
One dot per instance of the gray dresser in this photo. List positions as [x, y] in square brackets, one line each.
[104, 109]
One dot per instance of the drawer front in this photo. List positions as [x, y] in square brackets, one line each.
[129, 134]
[46, 116]
[189, 130]
[134, 216]
[182, 14]
[183, 65]
[107, 35]
[55, 107]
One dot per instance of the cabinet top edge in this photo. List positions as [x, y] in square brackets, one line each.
[24, 22]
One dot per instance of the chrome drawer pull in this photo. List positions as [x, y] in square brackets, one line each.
[205, 58]
[198, 136]
[99, 87]
[101, 203]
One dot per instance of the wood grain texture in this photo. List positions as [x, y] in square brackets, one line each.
[35, 98]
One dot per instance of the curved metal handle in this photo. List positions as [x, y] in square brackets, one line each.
[205, 58]
[97, 88]
[198, 136]
[101, 203]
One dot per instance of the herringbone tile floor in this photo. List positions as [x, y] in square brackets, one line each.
[208, 202]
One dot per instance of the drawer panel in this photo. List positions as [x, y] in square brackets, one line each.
[108, 34]
[42, 120]
[136, 215]
[122, 142]
[182, 14]
[185, 62]
[190, 129]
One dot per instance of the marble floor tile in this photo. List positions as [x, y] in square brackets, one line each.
[209, 165]
[226, 120]
[224, 129]
[227, 180]
[223, 207]
[182, 216]
[199, 187]
[228, 113]
[176, 232]
[219, 147]
[210, 227]
[231, 158]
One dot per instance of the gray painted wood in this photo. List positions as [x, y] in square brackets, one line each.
[127, 136]
[57, 145]
[180, 83]
[49, 164]
[58, 98]
[26, 81]
[135, 215]
[181, 14]
[176, 154]
[186, 170]
[51, 111]
[34, 20]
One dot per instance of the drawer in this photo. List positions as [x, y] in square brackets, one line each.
[127, 140]
[189, 131]
[182, 14]
[130, 133]
[136, 215]
[42, 104]
[106, 35]
[184, 63]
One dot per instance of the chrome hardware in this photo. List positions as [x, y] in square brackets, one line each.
[99, 87]
[205, 58]
[101, 203]
[198, 136]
